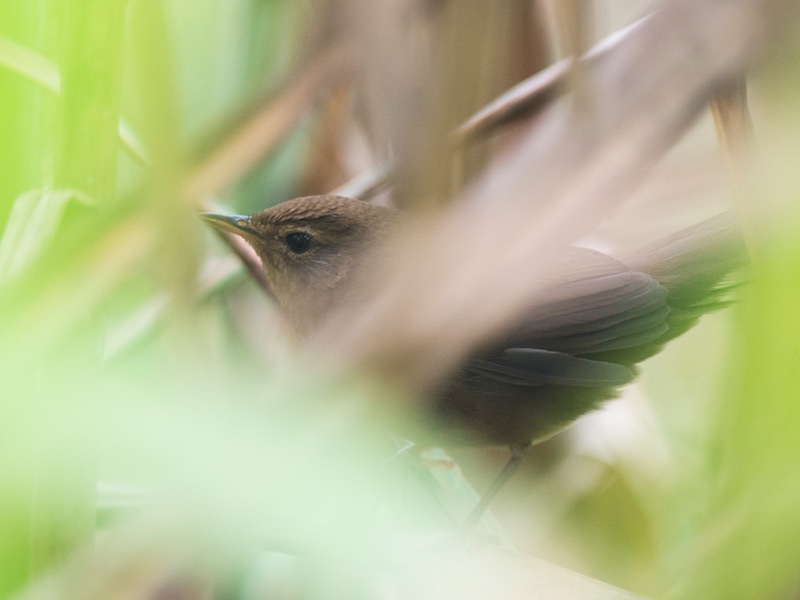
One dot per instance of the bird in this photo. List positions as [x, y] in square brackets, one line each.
[562, 359]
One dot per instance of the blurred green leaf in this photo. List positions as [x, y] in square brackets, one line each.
[29, 64]
[45, 73]
[34, 221]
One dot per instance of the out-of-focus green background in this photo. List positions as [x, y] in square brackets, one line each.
[148, 387]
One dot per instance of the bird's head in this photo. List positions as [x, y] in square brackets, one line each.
[315, 250]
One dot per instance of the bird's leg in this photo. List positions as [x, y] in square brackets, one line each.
[517, 454]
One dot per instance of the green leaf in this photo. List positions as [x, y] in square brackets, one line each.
[34, 221]
[45, 73]
[29, 64]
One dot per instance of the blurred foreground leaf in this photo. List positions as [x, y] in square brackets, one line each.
[29, 64]
[34, 221]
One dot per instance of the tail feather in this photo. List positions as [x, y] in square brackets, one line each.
[694, 264]
[700, 267]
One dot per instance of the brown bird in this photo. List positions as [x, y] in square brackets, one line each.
[562, 360]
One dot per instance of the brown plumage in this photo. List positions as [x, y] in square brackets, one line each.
[602, 317]
[308, 283]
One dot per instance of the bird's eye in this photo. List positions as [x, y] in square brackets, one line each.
[298, 241]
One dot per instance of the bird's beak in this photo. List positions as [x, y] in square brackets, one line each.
[238, 224]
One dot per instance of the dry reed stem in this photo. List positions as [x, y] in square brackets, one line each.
[522, 101]
[467, 273]
[735, 133]
[257, 135]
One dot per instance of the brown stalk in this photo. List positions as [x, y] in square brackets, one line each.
[465, 275]
[258, 134]
[249, 259]
[521, 101]
[735, 133]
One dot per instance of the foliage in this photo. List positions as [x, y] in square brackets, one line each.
[160, 434]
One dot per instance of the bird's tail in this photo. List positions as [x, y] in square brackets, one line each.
[699, 266]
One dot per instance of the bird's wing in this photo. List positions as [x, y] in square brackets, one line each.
[599, 317]
[596, 304]
[699, 266]
[534, 367]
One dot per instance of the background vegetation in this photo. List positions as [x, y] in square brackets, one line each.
[162, 437]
